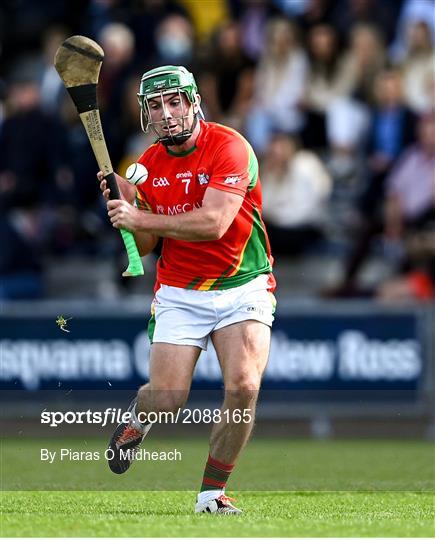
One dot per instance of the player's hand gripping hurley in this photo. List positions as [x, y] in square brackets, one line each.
[78, 62]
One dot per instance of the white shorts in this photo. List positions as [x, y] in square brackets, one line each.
[188, 317]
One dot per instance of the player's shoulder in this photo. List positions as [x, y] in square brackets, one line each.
[225, 143]
[220, 133]
[150, 153]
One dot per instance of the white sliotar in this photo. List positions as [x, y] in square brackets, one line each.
[136, 174]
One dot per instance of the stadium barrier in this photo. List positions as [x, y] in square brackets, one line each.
[327, 360]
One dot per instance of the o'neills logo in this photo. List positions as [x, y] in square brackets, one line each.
[187, 174]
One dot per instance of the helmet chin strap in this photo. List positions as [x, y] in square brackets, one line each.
[179, 138]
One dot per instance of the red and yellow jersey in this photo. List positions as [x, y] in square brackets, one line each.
[176, 183]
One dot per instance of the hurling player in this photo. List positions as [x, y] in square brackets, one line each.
[202, 195]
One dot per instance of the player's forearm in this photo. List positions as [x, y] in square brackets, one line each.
[145, 242]
[199, 225]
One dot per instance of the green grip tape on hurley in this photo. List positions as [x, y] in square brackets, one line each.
[135, 267]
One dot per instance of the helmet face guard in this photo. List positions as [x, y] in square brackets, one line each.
[157, 83]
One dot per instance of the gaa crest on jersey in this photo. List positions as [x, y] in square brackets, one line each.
[161, 181]
[203, 177]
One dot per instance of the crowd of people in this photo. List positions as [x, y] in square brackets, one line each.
[335, 96]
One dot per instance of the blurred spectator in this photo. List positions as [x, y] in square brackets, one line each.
[392, 129]
[32, 167]
[411, 185]
[365, 60]
[253, 16]
[327, 80]
[84, 221]
[34, 179]
[418, 66]
[430, 94]
[24, 23]
[382, 14]
[2, 102]
[271, 68]
[225, 79]
[21, 241]
[412, 11]
[314, 13]
[291, 9]
[117, 41]
[279, 86]
[51, 86]
[174, 42]
[206, 19]
[418, 283]
[101, 13]
[144, 16]
[347, 121]
[410, 217]
[347, 118]
[296, 188]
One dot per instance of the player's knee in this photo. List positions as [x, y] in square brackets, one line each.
[170, 400]
[244, 387]
[161, 398]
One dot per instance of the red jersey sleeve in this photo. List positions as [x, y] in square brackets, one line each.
[231, 166]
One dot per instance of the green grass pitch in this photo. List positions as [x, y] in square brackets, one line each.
[285, 488]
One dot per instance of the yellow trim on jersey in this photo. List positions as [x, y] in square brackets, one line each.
[236, 269]
[208, 284]
[143, 201]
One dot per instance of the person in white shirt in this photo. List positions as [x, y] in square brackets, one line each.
[279, 86]
[296, 189]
